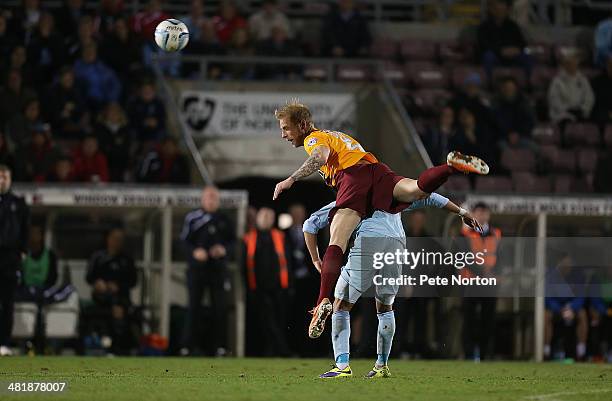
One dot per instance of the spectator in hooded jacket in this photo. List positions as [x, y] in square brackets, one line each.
[100, 83]
[65, 106]
[570, 97]
[165, 165]
[38, 157]
[45, 50]
[115, 139]
[147, 114]
[346, 32]
[513, 115]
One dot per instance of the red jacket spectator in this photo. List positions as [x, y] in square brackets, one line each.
[144, 22]
[89, 163]
[227, 22]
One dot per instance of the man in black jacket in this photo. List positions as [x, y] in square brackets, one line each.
[208, 236]
[14, 218]
[500, 40]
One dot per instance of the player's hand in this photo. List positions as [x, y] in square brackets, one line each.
[471, 222]
[200, 254]
[282, 186]
[318, 265]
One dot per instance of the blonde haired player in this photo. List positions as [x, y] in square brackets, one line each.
[363, 185]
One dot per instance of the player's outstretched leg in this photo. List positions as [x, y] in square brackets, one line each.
[341, 333]
[384, 341]
[342, 226]
[409, 190]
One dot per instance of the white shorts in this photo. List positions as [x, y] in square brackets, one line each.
[355, 279]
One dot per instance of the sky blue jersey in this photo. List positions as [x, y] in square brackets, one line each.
[381, 224]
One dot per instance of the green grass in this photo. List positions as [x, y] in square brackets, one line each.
[180, 379]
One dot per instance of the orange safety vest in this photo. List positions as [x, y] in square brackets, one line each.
[278, 238]
[487, 245]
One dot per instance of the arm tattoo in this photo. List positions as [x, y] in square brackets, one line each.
[312, 164]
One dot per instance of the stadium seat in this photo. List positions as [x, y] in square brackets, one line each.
[518, 160]
[461, 71]
[453, 52]
[394, 72]
[541, 77]
[458, 183]
[587, 159]
[315, 72]
[415, 49]
[562, 183]
[565, 49]
[546, 134]
[528, 182]
[424, 75]
[583, 184]
[431, 101]
[608, 135]
[583, 134]
[514, 72]
[493, 184]
[559, 160]
[385, 48]
[347, 72]
[541, 53]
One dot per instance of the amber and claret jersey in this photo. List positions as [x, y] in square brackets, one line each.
[344, 152]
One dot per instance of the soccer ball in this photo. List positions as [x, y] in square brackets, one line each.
[171, 35]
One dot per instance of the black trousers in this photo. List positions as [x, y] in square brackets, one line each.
[8, 287]
[479, 326]
[266, 323]
[200, 325]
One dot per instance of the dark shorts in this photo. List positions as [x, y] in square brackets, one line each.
[365, 188]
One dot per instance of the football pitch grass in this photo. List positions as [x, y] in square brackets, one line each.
[180, 379]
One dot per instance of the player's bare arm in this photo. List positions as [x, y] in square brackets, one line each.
[313, 249]
[314, 162]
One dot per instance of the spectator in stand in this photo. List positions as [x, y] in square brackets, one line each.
[6, 156]
[121, 51]
[100, 83]
[195, 19]
[208, 236]
[143, 23]
[228, 21]
[13, 96]
[570, 97]
[267, 274]
[500, 40]
[207, 44]
[564, 310]
[8, 39]
[68, 16]
[602, 86]
[147, 114]
[21, 126]
[18, 61]
[112, 274]
[36, 159]
[66, 107]
[26, 18]
[514, 116]
[345, 32]
[470, 97]
[165, 165]
[437, 137]
[110, 11]
[603, 42]
[264, 21]
[115, 139]
[472, 139]
[277, 45]
[62, 172]
[90, 163]
[46, 50]
[240, 46]
[86, 36]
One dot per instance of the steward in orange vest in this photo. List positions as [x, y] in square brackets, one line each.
[266, 256]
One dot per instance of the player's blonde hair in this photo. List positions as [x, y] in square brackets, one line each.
[296, 112]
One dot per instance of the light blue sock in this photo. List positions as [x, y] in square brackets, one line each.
[384, 338]
[341, 333]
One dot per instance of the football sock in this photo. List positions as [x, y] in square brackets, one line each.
[432, 178]
[384, 337]
[580, 350]
[332, 261]
[341, 333]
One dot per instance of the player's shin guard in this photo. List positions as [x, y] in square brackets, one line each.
[384, 337]
[433, 178]
[341, 333]
[332, 261]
